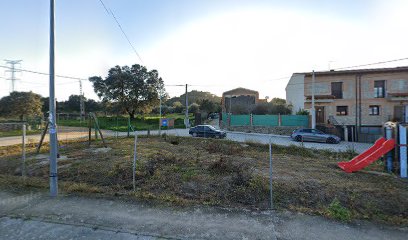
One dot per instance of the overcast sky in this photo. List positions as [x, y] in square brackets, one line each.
[214, 45]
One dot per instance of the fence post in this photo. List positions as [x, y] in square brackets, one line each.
[270, 172]
[116, 129]
[388, 135]
[403, 151]
[279, 120]
[134, 162]
[23, 170]
[128, 127]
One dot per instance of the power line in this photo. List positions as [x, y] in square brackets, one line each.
[43, 73]
[355, 66]
[370, 64]
[110, 12]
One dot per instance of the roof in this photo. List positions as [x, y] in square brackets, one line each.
[240, 89]
[358, 71]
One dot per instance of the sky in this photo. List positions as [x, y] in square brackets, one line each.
[212, 45]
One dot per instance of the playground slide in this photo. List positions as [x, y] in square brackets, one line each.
[367, 152]
[371, 155]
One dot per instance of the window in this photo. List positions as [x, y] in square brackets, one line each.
[337, 89]
[316, 131]
[341, 110]
[374, 110]
[379, 89]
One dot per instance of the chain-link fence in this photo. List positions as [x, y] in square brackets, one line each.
[232, 172]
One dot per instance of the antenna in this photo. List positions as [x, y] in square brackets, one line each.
[13, 72]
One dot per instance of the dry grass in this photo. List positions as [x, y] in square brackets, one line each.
[217, 172]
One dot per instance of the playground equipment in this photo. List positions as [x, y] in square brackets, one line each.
[382, 146]
[92, 123]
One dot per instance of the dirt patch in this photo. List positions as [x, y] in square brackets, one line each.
[223, 173]
[98, 150]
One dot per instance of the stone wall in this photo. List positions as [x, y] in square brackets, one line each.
[261, 129]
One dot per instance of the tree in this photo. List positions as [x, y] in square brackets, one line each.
[73, 103]
[178, 107]
[21, 104]
[193, 108]
[302, 111]
[134, 88]
[194, 97]
[278, 101]
[92, 106]
[208, 106]
[273, 107]
[261, 109]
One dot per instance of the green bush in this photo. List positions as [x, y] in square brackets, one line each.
[337, 211]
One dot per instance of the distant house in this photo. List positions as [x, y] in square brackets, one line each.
[356, 102]
[241, 98]
[295, 92]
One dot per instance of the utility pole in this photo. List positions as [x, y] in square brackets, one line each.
[186, 120]
[52, 116]
[81, 101]
[13, 72]
[313, 111]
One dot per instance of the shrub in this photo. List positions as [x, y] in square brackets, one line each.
[337, 211]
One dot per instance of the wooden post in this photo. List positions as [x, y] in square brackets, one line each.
[42, 137]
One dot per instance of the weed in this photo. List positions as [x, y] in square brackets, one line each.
[82, 188]
[337, 211]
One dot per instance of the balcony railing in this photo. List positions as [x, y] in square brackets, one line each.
[397, 96]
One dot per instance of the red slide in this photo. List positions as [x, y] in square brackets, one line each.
[380, 147]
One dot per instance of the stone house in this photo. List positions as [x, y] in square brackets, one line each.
[239, 98]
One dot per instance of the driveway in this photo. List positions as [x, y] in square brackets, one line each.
[67, 133]
[37, 216]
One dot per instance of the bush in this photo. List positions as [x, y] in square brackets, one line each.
[337, 211]
[302, 111]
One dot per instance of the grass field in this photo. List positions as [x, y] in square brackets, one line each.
[189, 171]
[121, 123]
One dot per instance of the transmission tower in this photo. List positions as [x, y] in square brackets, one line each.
[81, 102]
[13, 71]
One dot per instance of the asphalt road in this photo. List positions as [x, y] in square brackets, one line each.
[37, 216]
[67, 133]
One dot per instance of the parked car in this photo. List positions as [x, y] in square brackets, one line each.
[206, 131]
[213, 116]
[313, 135]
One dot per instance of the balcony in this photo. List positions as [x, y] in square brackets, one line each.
[397, 96]
[321, 98]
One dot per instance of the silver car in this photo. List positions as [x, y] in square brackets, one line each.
[313, 135]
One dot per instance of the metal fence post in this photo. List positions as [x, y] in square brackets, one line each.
[23, 168]
[270, 172]
[128, 128]
[134, 161]
[403, 151]
[116, 128]
[388, 135]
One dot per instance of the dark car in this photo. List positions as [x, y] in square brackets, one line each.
[313, 135]
[206, 131]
